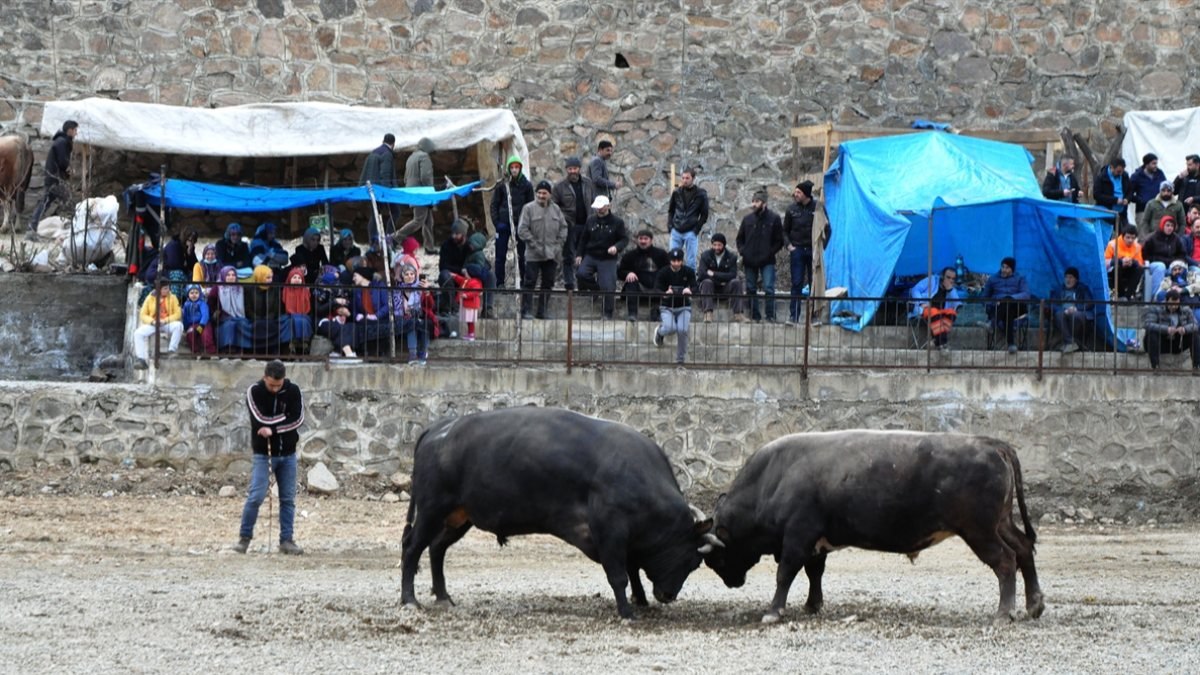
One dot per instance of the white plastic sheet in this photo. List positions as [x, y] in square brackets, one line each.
[1170, 134]
[93, 232]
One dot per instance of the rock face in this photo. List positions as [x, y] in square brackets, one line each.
[709, 82]
[321, 480]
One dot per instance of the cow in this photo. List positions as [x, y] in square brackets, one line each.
[598, 485]
[804, 495]
[16, 170]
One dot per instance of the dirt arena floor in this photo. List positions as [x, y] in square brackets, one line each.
[148, 583]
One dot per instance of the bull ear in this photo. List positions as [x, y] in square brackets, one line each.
[722, 533]
[702, 526]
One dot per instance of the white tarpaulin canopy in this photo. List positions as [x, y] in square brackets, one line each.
[276, 129]
[1170, 134]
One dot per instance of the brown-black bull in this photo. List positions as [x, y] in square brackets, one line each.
[16, 170]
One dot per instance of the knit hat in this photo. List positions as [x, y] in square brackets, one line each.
[761, 196]
[1178, 263]
[719, 237]
[365, 272]
[544, 185]
[1166, 185]
[806, 187]
[574, 161]
[459, 227]
[410, 245]
[515, 160]
[1009, 262]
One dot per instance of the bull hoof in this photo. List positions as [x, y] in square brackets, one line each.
[410, 602]
[1036, 607]
[771, 617]
[1004, 618]
[812, 607]
[444, 603]
[641, 602]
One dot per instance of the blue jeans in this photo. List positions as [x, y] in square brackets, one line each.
[676, 320]
[801, 264]
[689, 242]
[284, 469]
[416, 336]
[768, 283]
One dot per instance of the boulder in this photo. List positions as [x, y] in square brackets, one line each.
[390, 497]
[321, 480]
[401, 480]
[227, 491]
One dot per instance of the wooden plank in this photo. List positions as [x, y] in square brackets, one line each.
[1017, 136]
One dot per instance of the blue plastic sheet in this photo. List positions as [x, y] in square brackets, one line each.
[186, 194]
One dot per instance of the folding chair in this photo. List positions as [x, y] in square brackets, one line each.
[995, 334]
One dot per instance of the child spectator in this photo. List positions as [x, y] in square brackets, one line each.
[195, 322]
[297, 303]
[470, 299]
[1123, 258]
[170, 318]
[408, 306]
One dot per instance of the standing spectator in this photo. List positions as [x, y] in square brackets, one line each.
[1146, 180]
[598, 171]
[638, 269]
[758, 240]
[718, 275]
[676, 282]
[1159, 249]
[1113, 190]
[58, 170]
[543, 229]
[521, 191]
[379, 169]
[937, 302]
[574, 196]
[1073, 312]
[344, 250]
[1060, 183]
[310, 255]
[1123, 260]
[233, 251]
[195, 322]
[276, 412]
[418, 172]
[469, 302]
[798, 230]
[1164, 204]
[601, 241]
[1187, 183]
[169, 318]
[453, 259]
[1172, 329]
[1009, 293]
[686, 216]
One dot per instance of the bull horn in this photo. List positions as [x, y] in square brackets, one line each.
[713, 540]
[697, 514]
[705, 549]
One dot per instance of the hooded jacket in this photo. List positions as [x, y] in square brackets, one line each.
[380, 167]
[1163, 248]
[282, 412]
[759, 238]
[522, 194]
[267, 251]
[1158, 318]
[313, 260]
[236, 255]
[418, 169]
[58, 157]
[544, 231]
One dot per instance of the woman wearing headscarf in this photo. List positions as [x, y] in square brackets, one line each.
[265, 249]
[232, 250]
[269, 328]
[207, 270]
[408, 310]
[344, 250]
[370, 304]
[332, 304]
[233, 328]
[310, 255]
[297, 304]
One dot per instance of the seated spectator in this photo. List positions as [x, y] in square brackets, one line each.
[408, 308]
[344, 250]
[370, 303]
[196, 322]
[310, 255]
[1171, 328]
[1010, 292]
[1060, 183]
[234, 252]
[1191, 234]
[207, 271]
[266, 250]
[1123, 260]
[1179, 278]
[269, 328]
[1112, 189]
[718, 275]
[1159, 250]
[407, 255]
[333, 306]
[1073, 311]
[178, 259]
[169, 318]
[297, 305]
[1146, 181]
[936, 307]
[676, 282]
[1164, 204]
[454, 257]
[232, 323]
[638, 271]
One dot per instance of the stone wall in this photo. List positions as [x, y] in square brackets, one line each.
[1082, 433]
[714, 83]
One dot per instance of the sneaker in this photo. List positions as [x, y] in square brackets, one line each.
[1012, 349]
[422, 357]
[243, 545]
[1070, 347]
[708, 316]
[658, 339]
[289, 547]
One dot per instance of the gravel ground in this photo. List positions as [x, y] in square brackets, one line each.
[148, 584]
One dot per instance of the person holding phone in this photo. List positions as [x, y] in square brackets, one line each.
[677, 283]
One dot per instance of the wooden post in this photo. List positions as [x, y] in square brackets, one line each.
[828, 147]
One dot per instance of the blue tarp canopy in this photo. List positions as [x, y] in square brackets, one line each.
[186, 194]
[978, 198]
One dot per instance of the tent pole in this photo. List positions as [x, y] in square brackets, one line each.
[929, 276]
[387, 273]
[158, 276]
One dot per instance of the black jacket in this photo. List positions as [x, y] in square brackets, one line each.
[452, 257]
[599, 234]
[1105, 195]
[236, 255]
[759, 238]
[669, 278]
[1052, 188]
[688, 211]
[380, 168]
[283, 412]
[644, 263]
[522, 194]
[723, 272]
[1165, 248]
[1188, 186]
[798, 223]
[58, 158]
[312, 261]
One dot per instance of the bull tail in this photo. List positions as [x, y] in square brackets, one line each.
[1010, 455]
[412, 499]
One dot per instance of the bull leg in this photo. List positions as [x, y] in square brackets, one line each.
[416, 539]
[814, 568]
[613, 555]
[997, 555]
[785, 574]
[1034, 602]
[437, 557]
[635, 586]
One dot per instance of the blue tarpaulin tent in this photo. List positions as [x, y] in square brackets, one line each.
[888, 197]
[186, 194]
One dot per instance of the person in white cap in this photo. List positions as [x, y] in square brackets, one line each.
[601, 241]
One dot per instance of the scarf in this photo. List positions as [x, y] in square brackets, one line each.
[211, 270]
[230, 296]
[260, 276]
[296, 298]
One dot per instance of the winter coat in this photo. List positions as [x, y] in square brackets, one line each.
[544, 231]
[380, 168]
[1145, 185]
[171, 310]
[522, 194]
[1013, 286]
[195, 313]
[1164, 248]
[759, 238]
[1158, 318]
[1080, 296]
[418, 170]
[644, 262]
[798, 223]
[598, 173]
[1104, 191]
[1188, 186]
[575, 211]
[669, 278]
[477, 257]
[58, 157]
[724, 271]
[688, 211]
[1155, 210]
[601, 233]
[1052, 187]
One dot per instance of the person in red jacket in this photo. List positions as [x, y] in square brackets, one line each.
[470, 300]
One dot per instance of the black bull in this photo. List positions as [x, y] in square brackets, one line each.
[600, 486]
[804, 495]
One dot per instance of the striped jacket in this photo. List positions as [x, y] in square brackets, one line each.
[283, 412]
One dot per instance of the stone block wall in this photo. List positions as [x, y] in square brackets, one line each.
[713, 83]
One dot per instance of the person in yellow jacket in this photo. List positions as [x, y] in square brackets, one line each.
[170, 317]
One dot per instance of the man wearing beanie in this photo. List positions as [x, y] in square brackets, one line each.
[1146, 180]
[453, 258]
[797, 229]
[418, 172]
[1164, 204]
[543, 229]
[758, 241]
[522, 193]
[686, 216]
[1009, 293]
[639, 271]
[718, 275]
[574, 196]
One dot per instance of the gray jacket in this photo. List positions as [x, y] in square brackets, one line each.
[418, 170]
[544, 230]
